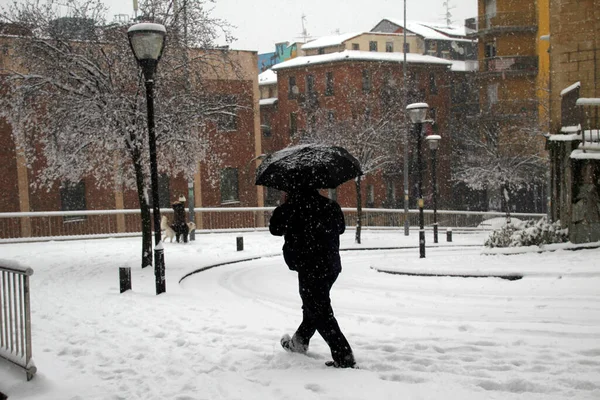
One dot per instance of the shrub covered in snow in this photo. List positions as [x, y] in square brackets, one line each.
[528, 233]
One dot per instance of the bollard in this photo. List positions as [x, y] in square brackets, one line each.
[125, 278]
[448, 235]
[240, 243]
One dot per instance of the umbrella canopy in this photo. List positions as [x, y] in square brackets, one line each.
[307, 166]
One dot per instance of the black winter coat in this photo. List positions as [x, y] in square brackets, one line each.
[311, 225]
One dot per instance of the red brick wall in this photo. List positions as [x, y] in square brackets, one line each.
[349, 99]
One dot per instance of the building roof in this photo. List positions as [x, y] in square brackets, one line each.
[268, 77]
[354, 55]
[338, 40]
[328, 41]
[432, 31]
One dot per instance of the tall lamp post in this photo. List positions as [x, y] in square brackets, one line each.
[147, 41]
[417, 113]
[434, 141]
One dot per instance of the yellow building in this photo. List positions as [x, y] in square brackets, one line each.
[513, 79]
[514, 63]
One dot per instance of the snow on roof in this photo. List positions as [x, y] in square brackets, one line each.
[328, 41]
[268, 77]
[354, 55]
[570, 88]
[427, 30]
[464, 66]
[450, 30]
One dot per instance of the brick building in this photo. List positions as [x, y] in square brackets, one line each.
[234, 185]
[347, 85]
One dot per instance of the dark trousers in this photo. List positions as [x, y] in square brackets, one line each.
[317, 315]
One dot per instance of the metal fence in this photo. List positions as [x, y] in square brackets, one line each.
[15, 316]
[36, 226]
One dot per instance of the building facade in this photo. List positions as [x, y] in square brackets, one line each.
[574, 142]
[234, 185]
[352, 85]
[513, 80]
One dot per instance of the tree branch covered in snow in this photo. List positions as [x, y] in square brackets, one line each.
[75, 89]
[494, 157]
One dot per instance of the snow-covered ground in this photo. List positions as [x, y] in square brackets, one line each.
[216, 334]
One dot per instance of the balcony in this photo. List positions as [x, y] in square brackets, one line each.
[527, 65]
[502, 22]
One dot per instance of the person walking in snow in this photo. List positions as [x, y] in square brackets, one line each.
[311, 225]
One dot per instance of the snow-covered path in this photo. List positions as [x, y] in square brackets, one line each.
[216, 335]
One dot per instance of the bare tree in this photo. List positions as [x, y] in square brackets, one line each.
[373, 141]
[498, 157]
[74, 95]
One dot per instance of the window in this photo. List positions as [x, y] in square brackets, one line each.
[432, 85]
[390, 192]
[389, 47]
[407, 48]
[330, 117]
[229, 185]
[332, 194]
[370, 196]
[227, 119]
[372, 45]
[490, 50]
[293, 123]
[164, 192]
[72, 198]
[273, 197]
[310, 84]
[312, 122]
[490, 8]
[366, 80]
[292, 88]
[492, 92]
[329, 84]
[355, 46]
[322, 50]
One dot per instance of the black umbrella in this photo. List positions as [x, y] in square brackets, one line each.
[313, 166]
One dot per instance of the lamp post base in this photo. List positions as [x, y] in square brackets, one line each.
[435, 232]
[422, 243]
[159, 270]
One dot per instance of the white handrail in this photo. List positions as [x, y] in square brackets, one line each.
[15, 316]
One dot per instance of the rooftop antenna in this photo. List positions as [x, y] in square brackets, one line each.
[448, 14]
[304, 33]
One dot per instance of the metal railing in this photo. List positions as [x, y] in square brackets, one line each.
[510, 64]
[15, 316]
[36, 226]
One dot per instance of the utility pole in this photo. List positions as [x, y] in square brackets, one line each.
[406, 215]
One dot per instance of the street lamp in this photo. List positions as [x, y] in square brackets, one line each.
[434, 141]
[147, 41]
[417, 113]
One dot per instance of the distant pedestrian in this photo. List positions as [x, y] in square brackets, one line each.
[179, 225]
[311, 225]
